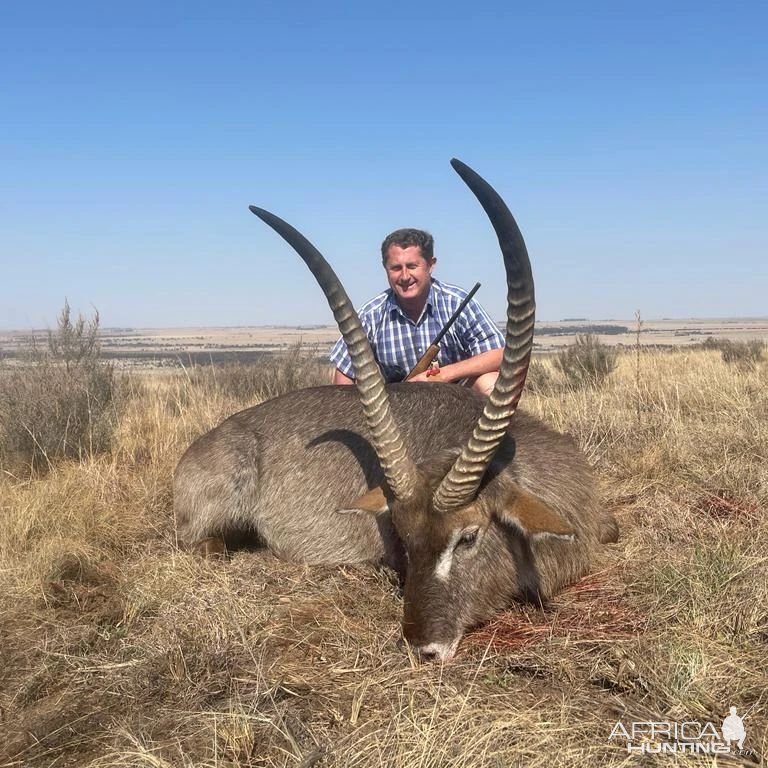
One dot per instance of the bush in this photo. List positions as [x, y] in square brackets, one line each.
[743, 354]
[539, 379]
[56, 401]
[587, 362]
[746, 354]
[274, 375]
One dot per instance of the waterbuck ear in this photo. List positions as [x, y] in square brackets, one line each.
[373, 501]
[533, 517]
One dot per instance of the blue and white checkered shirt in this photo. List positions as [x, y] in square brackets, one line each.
[398, 343]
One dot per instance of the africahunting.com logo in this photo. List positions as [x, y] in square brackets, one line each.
[688, 737]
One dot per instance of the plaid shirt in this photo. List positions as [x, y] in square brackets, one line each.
[398, 343]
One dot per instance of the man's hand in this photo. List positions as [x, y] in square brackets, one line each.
[434, 374]
[479, 371]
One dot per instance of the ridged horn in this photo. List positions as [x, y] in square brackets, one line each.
[460, 485]
[387, 441]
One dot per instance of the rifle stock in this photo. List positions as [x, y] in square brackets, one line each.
[424, 362]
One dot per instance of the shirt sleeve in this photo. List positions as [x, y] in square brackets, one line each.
[340, 354]
[477, 331]
[340, 358]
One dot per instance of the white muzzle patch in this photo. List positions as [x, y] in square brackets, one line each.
[442, 651]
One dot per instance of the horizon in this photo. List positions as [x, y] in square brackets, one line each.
[628, 143]
[629, 321]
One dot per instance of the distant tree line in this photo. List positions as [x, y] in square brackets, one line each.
[590, 329]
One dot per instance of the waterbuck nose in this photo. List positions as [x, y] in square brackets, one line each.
[436, 651]
[427, 655]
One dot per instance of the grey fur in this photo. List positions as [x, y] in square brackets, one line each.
[280, 471]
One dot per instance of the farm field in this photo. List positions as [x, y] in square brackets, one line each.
[118, 649]
[155, 347]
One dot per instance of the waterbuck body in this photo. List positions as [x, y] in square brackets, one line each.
[475, 504]
[284, 473]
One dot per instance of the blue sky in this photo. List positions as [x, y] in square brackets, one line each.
[628, 139]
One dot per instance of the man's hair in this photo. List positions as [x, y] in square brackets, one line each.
[405, 238]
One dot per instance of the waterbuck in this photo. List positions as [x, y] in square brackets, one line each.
[473, 507]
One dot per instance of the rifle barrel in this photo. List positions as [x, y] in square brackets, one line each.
[455, 315]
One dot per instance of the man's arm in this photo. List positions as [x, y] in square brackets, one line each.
[481, 338]
[340, 359]
[472, 367]
[341, 378]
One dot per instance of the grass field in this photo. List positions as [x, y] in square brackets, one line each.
[117, 649]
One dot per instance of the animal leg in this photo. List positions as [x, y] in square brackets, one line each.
[608, 532]
[213, 547]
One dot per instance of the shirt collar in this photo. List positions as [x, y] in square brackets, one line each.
[394, 307]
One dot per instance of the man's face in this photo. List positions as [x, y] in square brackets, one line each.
[408, 273]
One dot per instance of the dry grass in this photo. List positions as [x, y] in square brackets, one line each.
[118, 650]
[58, 401]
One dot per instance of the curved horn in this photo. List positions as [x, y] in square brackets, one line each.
[387, 441]
[460, 485]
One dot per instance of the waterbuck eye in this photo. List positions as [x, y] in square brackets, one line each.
[468, 538]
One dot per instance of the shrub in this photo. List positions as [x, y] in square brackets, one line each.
[275, 374]
[743, 354]
[587, 362]
[539, 378]
[56, 401]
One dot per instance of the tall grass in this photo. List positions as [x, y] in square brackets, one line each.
[118, 650]
[58, 401]
[273, 375]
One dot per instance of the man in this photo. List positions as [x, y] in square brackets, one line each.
[402, 322]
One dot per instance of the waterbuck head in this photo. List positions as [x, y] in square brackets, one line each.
[468, 527]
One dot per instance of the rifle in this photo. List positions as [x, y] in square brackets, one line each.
[426, 359]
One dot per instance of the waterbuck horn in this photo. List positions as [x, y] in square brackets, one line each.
[460, 485]
[387, 441]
